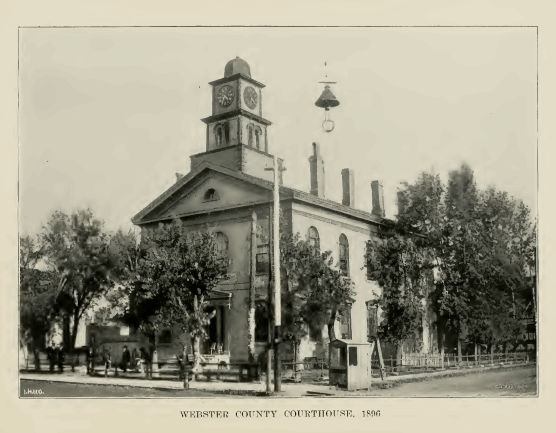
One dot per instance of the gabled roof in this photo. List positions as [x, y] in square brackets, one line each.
[286, 193]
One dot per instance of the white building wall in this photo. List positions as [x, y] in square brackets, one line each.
[330, 226]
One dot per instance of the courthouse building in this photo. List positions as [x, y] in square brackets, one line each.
[229, 190]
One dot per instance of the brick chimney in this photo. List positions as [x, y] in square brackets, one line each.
[348, 187]
[178, 177]
[317, 172]
[378, 199]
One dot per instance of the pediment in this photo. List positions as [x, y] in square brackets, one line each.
[206, 191]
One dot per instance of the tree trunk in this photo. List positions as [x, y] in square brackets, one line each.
[459, 352]
[296, 359]
[442, 356]
[399, 353]
[475, 359]
[479, 353]
[74, 328]
[330, 326]
[196, 352]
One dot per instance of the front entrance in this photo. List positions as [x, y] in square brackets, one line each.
[215, 343]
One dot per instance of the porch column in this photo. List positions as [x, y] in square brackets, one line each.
[218, 327]
[251, 310]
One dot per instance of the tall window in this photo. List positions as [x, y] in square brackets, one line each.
[261, 322]
[221, 242]
[218, 133]
[314, 239]
[345, 323]
[263, 262]
[372, 322]
[258, 135]
[369, 267]
[250, 132]
[344, 255]
[227, 132]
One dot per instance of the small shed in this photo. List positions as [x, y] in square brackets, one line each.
[350, 364]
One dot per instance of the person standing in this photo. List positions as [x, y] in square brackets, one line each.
[107, 359]
[55, 356]
[126, 358]
[135, 359]
[50, 355]
[61, 358]
[149, 361]
[92, 353]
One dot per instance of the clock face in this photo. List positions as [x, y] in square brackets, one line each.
[250, 97]
[225, 96]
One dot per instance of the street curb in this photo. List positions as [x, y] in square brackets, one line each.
[389, 383]
[158, 388]
[453, 373]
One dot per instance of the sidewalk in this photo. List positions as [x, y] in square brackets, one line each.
[221, 388]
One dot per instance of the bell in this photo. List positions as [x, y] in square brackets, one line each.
[327, 99]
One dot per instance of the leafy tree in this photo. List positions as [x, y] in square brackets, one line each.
[37, 298]
[480, 246]
[76, 251]
[316, 292]
[169, 276]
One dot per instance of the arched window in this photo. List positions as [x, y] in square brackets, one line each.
[218, 135]
[258, 136]
[250, 132]
[314, 239]
[344, 255]
[221, 242]
[227, 133]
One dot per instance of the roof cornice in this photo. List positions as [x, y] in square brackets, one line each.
[236, 77]
[234, 113]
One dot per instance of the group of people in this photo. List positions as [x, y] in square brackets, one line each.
[134, 360]
[56, 356]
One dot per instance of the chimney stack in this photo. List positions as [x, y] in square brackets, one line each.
[178, 177]
[316, 164]
[348, 187]
[378, 199]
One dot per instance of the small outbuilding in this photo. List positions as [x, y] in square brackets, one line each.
[350, 364]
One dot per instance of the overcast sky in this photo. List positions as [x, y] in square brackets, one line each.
[108, 116]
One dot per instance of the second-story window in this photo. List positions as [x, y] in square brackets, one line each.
[369, 267]
[344, 255]
[221, 242]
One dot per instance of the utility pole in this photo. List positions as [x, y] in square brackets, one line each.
[276, 276]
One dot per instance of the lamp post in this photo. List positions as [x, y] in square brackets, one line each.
[276, 275]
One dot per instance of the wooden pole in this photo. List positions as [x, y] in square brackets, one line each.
[277, 291]
[251, 313]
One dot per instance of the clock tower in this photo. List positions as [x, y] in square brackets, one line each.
[237, 131]
[237, 110]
